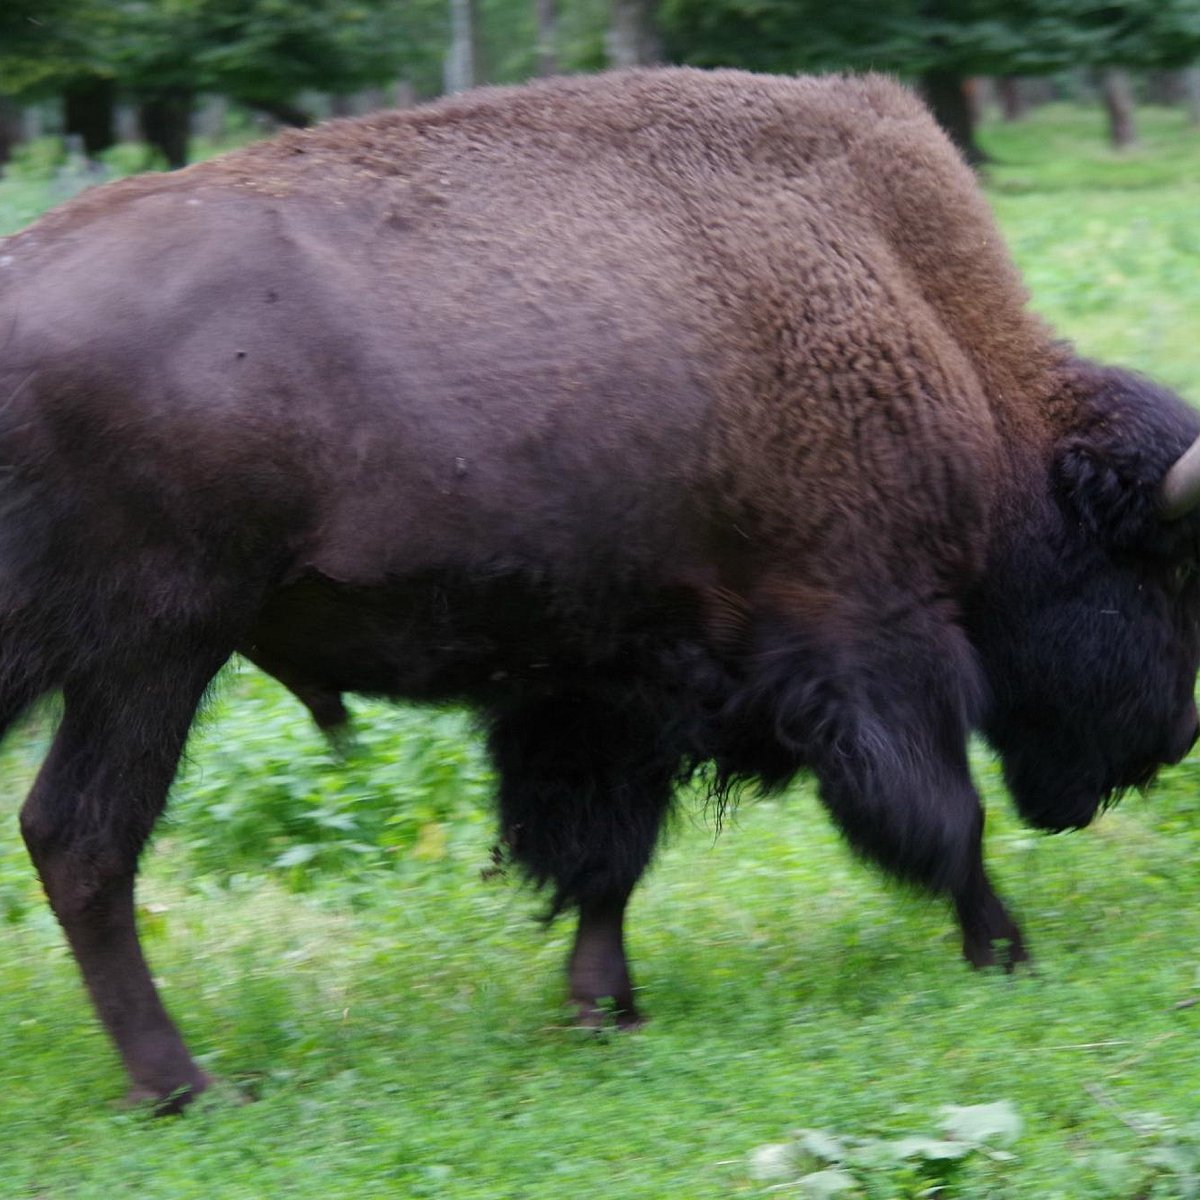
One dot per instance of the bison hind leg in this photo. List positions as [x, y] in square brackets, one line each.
[95, 801]
[28, 669]
[329, 713]
[327, 708]
[324, 703]
[991, 938]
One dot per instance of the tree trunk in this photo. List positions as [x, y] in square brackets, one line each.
[978, 91]
[128, 123]
[1117, 93]
[946, 96]
[1189, 80]
[90, 110]
[211, 118]
[547, 37]
[1014, 103]
[11, 129]
[632, 37]
[462, 68]
[166, 119]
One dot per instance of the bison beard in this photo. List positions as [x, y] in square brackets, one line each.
[676, 422]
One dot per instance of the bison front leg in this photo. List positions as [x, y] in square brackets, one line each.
[598, 981]
[907, 800]
[990, 936]
[92, 807]
[585, 782]
[883, 718]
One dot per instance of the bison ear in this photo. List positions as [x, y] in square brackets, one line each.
[1112, 490]
[1109, 471]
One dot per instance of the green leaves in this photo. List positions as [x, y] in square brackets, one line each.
[1167, 1165]
[820, 1164]
[267, 790]
[962, 36]
[982, 1124]
[257, 51]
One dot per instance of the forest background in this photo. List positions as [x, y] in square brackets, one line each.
[105, 72]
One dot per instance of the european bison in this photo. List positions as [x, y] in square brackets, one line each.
[665, 418]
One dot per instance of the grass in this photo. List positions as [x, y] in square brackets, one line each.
[1108, 241]
[322, 932]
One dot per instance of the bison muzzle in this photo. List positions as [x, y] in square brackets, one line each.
[672, 420]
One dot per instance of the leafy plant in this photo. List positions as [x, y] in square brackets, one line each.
[1165, 1166]
[819, 1164]
[37, 159]
[263, 788]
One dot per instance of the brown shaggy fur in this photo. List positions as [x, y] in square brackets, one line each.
[812, 252]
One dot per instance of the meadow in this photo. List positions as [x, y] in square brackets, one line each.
[384, 1013]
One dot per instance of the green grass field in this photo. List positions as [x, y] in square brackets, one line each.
[385, 1022]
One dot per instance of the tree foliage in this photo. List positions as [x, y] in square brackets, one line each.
[266, 53]
[964, 37]
[41, 42]
[941, 42]
[263, 52]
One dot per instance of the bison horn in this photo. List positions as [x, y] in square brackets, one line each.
[1180, 491]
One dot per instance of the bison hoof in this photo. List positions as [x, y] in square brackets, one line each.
[604, 1014]
[1006, 952]
[167, 1104]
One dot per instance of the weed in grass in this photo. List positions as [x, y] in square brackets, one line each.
[818, 1164]
[261, 790]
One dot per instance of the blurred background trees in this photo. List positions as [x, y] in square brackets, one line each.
[947, 45]
[109, 71]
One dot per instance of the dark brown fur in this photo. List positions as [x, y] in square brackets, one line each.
[666, 418]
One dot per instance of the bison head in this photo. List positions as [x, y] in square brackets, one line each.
[1089, 621]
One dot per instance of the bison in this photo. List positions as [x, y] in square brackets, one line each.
[674, 421]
